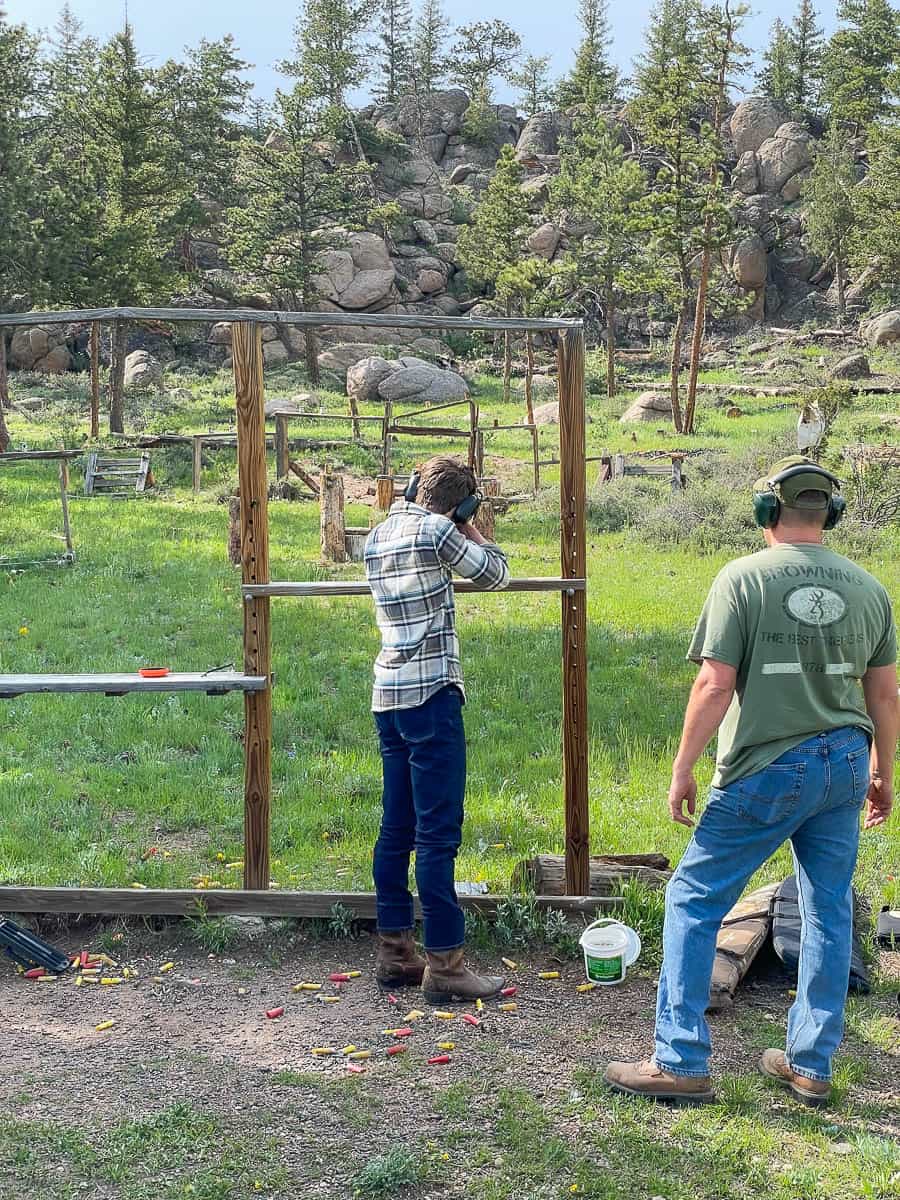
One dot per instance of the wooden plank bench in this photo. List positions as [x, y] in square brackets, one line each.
[215, 683]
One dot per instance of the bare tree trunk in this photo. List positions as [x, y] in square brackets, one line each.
[839, 277]
[697, 339]
[529, 377]
[675, 369]
[4, 394]
[610, 340]
[117, 378]
[95, 379]
[507, 356]
[312, 356]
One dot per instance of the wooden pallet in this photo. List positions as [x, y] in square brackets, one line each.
[118, 476]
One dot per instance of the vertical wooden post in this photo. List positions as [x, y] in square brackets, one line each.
[677, 477]
[384, 491]
[484, 518]
[281, 446]
[354, 414]
[479, 455]
[95, 379]
[331, 499]
[253, 483]
[64, 500]
[573, 559]
[196, 461]
[386, 437]
[4, 393]
[536, 458]
[473, 433]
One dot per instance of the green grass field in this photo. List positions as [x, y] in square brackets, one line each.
[87, 784]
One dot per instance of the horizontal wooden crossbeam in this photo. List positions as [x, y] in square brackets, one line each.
[310, 320]
[40, 455]
[341, 587]
[216, 683]
[180, 902]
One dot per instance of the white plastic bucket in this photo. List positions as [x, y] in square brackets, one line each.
[609, 948]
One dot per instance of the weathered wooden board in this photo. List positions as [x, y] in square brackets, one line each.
[120, 684]
[339, 587]
[221, 901]
[546, 873]
[743, 932]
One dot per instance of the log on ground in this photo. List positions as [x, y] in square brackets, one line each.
[546, 874]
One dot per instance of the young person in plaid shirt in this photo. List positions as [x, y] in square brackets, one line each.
[417, 701]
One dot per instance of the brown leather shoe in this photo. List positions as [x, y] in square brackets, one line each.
[814, 1092]
[647, 1079]
[398, 964]
[447, 978]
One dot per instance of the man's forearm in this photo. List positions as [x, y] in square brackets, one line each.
[705, 711]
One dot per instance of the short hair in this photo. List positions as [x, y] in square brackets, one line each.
[799, 517]
[443, 483]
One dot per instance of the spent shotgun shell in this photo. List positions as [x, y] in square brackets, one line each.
[324, 1051]
[414, 1014]
[446, 1045]
[306, 987]
[111, 980]
[510, 1007]
[445, 1016]
[348, 1049]
[104, 1025]
[328, 999]
[548, 974]
[479, 1005]
[509, 964]
[470, 1020]
[439, 1060]
[167, 966]
[508, 992]
[400, 1048]
[585, 987]
[272, 1013]
[359, 1055]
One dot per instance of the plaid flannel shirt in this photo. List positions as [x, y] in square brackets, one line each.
[409, 560]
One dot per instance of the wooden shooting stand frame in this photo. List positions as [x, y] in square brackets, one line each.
[258, 590]
[63, 458]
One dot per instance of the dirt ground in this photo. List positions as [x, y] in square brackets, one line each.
[199, 1034]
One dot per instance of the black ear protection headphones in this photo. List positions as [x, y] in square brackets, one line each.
[767, 505]
[464, 511]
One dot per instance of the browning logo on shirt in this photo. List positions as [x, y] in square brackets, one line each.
[816, 606]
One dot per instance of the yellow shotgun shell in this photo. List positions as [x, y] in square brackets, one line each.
[78, 981]
[348, 1049]
[445, 1016]
[354, 974]
[479, 1005]
[166, 967]
[306, 987]
[585, 987]
[360, 1054]
[323, 1051]
[509, 964]
[104, 1025]
[511, 1007]
[446, 1045]
[47, 978]
[413, 1015]
[329, 999]
[111, 979]
[548, 974]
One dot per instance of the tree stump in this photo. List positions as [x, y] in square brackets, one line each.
[484, 518]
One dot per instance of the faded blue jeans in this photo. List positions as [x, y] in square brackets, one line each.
[812, 796]
[423, 753]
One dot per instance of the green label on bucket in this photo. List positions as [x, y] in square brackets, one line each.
[605, 970]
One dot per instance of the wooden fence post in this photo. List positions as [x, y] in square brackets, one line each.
[95, 379]
[386, 438]
[253, 483]
[196, 461]
[331, 498]
[64, 500]
[281, 446]
[479, 455]
[473, 433]
[536, 457]
[574, 609]
[384, 491]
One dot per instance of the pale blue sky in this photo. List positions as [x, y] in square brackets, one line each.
[263, 29]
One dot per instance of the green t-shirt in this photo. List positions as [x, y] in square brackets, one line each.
[801, 625]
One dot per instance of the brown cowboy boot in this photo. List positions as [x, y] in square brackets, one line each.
[397, 963]
[814, 1092]
[447, 978]
[647, 1079]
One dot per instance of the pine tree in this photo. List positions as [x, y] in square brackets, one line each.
[330, 56]
[141, 193]
[17, 235]
[528, 286]
[429, 39]
[297, 199]
[776, 76]
[807, 43]
[875, 237]
[861, 62]
[830, 195]
[594, 82]
[599, 186]
[495, 240]
[669, 112]
[536, 92]
[394, 53]
[482, 51]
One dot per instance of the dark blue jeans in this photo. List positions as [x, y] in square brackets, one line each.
[423, 753]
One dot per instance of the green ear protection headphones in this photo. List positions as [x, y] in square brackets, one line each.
[464, 511]
[767, 504]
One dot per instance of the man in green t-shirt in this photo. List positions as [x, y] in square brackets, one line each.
[797, 650]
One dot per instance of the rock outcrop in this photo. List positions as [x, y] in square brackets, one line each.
[881, 330]
[359, 276]
[649, 406]
[143, 372]
[413, 379]
[40, 348]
